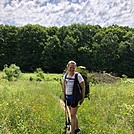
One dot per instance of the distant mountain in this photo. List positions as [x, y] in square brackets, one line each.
[66, 12]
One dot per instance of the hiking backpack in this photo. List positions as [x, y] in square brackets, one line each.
[82, 70]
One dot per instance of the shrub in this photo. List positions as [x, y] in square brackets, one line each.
[12, 72]
[40, 74]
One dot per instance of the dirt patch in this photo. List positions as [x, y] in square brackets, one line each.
[102, 78]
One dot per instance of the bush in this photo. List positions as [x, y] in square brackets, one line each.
[40, 74]
[12, 72]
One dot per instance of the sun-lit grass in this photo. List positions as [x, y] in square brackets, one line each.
[33, 107]
[29, 107]
[47, 76]
[110, 110]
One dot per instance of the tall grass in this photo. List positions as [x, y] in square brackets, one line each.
[29, 107]
[33, 107]
[110, 110]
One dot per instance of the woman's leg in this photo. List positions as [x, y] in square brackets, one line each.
[76, 124]
[74, 121]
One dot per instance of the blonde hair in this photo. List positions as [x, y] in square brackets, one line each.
[71, 62]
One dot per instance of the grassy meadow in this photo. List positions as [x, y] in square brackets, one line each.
[33, 107]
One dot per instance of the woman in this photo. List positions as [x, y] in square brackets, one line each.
[68, 83]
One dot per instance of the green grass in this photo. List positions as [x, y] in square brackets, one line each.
[32, 107]
[110, 110]
[29, 107]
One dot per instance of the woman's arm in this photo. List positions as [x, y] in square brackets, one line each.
[83, 89]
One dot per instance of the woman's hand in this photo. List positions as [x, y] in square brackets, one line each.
[81, 101]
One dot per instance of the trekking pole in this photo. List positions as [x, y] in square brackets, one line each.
[65, 128]
[65, 108]
[67, 118]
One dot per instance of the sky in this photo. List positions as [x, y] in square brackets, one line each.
[66, 12]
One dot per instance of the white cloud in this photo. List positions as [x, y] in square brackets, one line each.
[66, 12]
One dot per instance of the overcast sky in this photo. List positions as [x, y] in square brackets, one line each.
[65, 12]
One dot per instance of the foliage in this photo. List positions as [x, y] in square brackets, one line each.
[39, 74]
[33, 107]
[110, 110]
[29, 107]
[12, 72]
[98, 49]
[8, 45]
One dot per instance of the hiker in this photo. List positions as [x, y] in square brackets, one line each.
[69, 78]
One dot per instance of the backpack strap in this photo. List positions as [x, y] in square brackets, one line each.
[66, 75]
[68, 78]
[76, 78]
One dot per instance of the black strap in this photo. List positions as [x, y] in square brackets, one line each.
[76, 78]
[68, 78]
[66, 75]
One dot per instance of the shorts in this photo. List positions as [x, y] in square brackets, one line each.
[69, 101]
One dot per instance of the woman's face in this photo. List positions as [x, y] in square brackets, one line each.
[71, 67]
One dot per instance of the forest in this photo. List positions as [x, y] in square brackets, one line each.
[109, 49]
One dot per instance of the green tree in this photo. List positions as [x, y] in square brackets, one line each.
[84, 54]
[126, 62]
[32, 39]
[52, 55]
[68, 48]
[8, 45]
[52, 30]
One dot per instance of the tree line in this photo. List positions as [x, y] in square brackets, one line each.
[109, 49]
